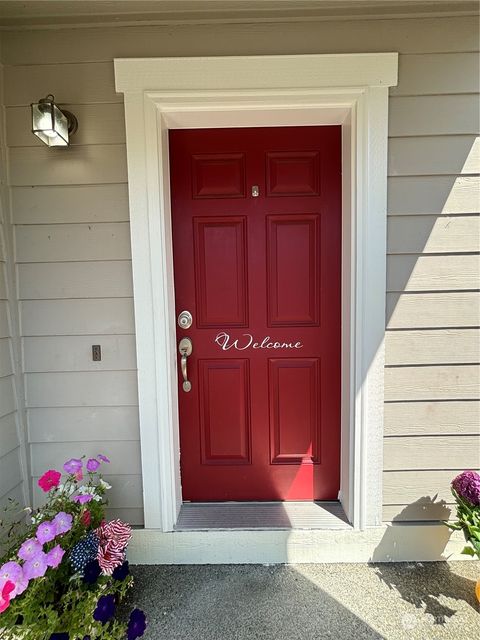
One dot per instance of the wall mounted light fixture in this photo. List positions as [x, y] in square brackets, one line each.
[52, 125]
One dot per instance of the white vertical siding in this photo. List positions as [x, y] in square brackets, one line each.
[74, 278]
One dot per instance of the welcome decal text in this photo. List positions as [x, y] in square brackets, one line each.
[247, 341]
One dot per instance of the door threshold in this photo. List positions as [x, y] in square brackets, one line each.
[202, 516]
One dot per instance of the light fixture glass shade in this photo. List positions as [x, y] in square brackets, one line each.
[49, 123]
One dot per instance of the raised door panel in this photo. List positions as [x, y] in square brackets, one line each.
[293, 173]
[218, 175]
[224, 411]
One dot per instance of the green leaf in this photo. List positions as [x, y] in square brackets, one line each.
[468, 551]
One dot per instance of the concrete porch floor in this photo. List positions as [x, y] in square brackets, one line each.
[301, 602]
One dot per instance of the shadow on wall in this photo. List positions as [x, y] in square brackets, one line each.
[401, 539]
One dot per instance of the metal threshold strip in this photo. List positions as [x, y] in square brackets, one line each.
[201, 516]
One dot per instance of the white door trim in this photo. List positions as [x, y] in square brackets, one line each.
[347, 89]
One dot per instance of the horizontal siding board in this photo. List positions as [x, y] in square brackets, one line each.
[400, 487]
[438, 346]
[3, 281]
[99, 124]
[10, 471]
[126, 491]
[92, 164]
[433, 195]
[422, 510]
[433, 273]
[432, 383]
[82, 424]
[433, 115]
[77, 317]
[43, 281]
[70, 203]
[433, 155]
[421, 35]
[76, 389]
[432, 418]
[7, 396]
[69, 242]
[8, 435]
[132, 516]
[431, 452]
[74, 353]
[4, 324]
[433, 234]
[124, 456]
[77, 83]
[15, 495]
[5, 358]
[431, 310]
[439, 73]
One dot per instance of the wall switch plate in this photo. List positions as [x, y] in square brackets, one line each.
[96, 352]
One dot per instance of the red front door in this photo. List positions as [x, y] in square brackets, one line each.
[256, 217]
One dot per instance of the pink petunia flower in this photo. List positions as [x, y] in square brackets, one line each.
[46, 532]
[73, 466]
[103, 458]
[49, 480]
[54, 557]
[36, 567]
[78, 476]
[13, 572]
[29, 549]
[63, 522]
[92, 465]
[83, 499]
[5, 595]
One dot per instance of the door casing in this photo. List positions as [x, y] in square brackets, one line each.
[346, 89]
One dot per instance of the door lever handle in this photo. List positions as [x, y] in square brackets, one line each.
[185, 349]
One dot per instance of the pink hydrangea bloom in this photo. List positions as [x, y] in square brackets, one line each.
[29, 549]
[92, 465]
[5, 595]
[54, 557]
[50, 479]
[73, 466]
[13, 572]
[467, 485]
[46, 532]
[82, 499]
[63, 522]
[36, 567]
[103, 458]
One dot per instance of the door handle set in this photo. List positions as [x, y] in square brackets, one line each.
[185, 349]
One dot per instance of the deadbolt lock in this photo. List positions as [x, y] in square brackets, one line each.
[185, 320]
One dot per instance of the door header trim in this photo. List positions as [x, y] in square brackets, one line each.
[348, 89]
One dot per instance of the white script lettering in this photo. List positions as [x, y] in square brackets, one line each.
[246, 341]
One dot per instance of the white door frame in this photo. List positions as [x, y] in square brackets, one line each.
[346, 89]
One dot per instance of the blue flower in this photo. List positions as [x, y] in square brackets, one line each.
[121, 572]
[84, 551]
[136, 625]
[59, 636]
[105, 609]
[91, 572]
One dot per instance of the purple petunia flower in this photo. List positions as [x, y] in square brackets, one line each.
[103, 458]
[73, 466]
[63, 522]
[54, 556]
[82, 499]
[60, 636]
[46, 532]
[105, 609]
[91, 572]
[467, 485]
[36, 567]
[136, 625]
[29, 549]
[92, 465]
[121, 572]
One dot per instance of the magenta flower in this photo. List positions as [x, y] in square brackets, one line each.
[83, 499]
[13, 572]
[50, 479]
[29, 549]
[92, 465]
[6, 595]
[54, 557]
[62, 522]
[36, 567]
[103, 458]
[467, 485]
[46, 532]
[73, 466]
